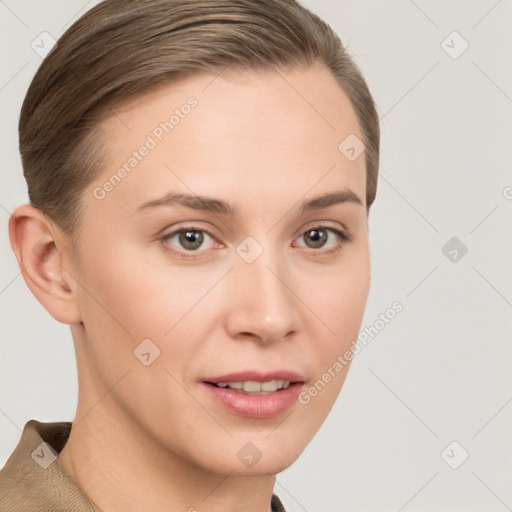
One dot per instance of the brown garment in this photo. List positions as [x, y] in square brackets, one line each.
[33, 480]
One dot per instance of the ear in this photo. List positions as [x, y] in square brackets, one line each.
[40, 256]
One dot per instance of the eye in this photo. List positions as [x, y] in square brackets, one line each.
[189, 239]
[317, 237]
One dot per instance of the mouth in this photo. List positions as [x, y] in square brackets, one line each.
[255, 394]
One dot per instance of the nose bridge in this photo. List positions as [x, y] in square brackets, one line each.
[263, 303]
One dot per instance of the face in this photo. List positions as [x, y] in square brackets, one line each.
[244, 285]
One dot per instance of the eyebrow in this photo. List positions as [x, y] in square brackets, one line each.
[217, 206]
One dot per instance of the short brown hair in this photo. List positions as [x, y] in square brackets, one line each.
[122, 48]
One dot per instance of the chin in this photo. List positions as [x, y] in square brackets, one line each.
[272, 466]
[259, 457]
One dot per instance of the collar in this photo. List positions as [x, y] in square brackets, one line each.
[33, 478]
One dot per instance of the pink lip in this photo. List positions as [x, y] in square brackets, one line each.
[254, 405]
[256, 376]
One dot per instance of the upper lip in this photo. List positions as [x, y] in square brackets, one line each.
[256, 376]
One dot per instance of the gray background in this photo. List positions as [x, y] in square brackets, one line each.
[441, 370]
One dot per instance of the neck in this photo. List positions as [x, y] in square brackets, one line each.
[111, 459]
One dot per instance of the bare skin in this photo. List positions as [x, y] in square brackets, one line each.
[151, 437]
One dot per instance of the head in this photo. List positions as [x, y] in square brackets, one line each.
[200, 175]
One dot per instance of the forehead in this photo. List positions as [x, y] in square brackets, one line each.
[255, 131]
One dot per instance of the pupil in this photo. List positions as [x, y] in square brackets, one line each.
[318, 237]
[191, 239]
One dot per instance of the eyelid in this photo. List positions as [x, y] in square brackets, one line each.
[190, 227]
[343, 235]
[324, 224]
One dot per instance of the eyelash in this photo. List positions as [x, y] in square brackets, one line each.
[344, 238]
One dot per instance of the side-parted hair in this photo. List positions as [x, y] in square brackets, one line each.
[122, 48]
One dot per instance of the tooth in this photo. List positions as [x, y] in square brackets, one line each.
[256, 387]
[250, 385]
[270, 385]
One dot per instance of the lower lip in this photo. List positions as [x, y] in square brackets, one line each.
[256, 406]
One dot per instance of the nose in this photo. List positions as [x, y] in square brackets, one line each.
[262, 303]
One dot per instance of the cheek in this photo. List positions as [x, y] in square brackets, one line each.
[129, 297]
[341, 298]
[117, 303]
[129, 290]
[339, 305]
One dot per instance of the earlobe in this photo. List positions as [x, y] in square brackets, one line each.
[40, 257]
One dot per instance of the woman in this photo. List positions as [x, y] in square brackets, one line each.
[200, 175]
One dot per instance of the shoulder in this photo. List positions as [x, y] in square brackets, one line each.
[33, 479]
